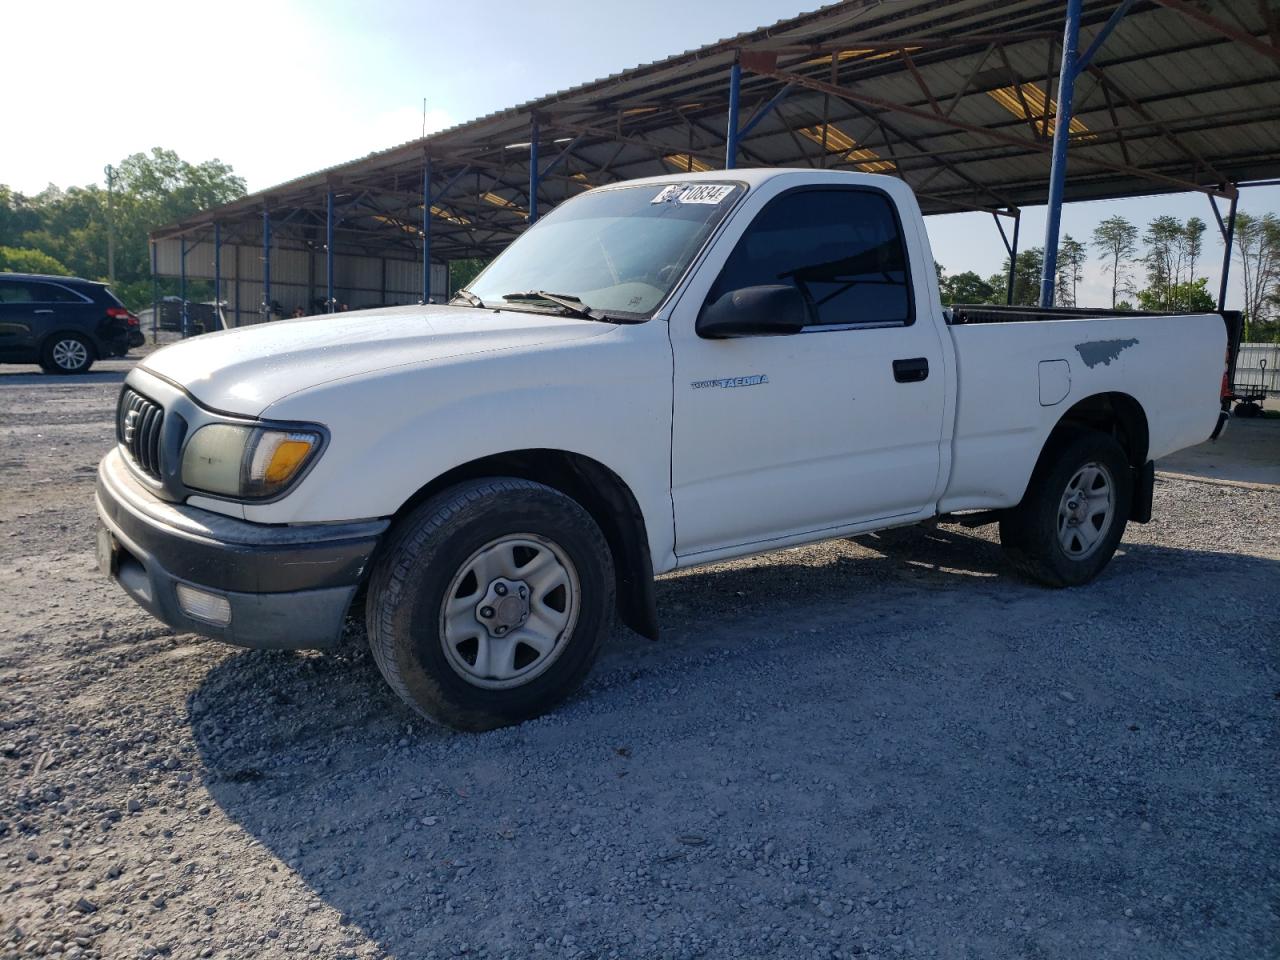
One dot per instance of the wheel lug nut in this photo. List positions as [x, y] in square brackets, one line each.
[486, 612]
[523, 593]
[500, 631]
[500, 589]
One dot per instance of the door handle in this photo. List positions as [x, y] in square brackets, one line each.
[42, 311]
[911, 371]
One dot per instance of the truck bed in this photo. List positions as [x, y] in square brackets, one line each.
[970, 314]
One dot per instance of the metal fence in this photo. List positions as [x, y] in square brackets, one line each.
[1258, 369]
[200, 317]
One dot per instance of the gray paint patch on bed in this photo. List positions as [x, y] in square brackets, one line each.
[1102, 351]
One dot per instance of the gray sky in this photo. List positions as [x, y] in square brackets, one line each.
[279, 88]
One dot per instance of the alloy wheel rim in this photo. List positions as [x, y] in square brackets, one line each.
[70, 354]
[509, 611]
[1086, 510]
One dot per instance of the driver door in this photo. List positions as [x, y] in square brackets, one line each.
[780, 436]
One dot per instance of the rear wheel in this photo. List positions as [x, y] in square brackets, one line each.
[1069, 523]
[490, 602]
[67, 353]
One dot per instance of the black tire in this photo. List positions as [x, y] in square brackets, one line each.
[432, 546]
[67, 353]
[1032, 532]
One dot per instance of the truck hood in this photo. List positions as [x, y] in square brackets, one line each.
[244, 371]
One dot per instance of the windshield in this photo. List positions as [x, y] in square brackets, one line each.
[617, 250]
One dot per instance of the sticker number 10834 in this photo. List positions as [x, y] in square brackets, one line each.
[711, 193]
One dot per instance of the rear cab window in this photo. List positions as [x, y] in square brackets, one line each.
[841, 247]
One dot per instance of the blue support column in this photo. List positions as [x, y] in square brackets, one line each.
[328, 254]
[731, 135]
[266, 264]
[426, 231]
[1061, 135]
[182, 282]
[533, 171]
[563, 155]
[448, 184]
[155, 297]
[1101, 37]
[217, 272]
[754, 120]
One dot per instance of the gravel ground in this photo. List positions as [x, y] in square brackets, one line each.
[888, 748]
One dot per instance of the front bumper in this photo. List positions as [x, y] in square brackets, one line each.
[287, 587]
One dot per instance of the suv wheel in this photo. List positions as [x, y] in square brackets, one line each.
[67, 353]
[489, 604]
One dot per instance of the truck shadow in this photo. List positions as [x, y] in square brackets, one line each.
[415, 834]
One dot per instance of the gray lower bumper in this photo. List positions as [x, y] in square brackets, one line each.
[287, 587]
[282, 621]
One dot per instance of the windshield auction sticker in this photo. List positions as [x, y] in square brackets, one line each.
[709, 193]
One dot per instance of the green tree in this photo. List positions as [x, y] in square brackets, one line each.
[26, 260]
[462, 272]
[1116, 241]
[1173, 253]
[1257, 248]
[1188, 295]
[151, 189]
[1194, 229]
[1164, 237]
[1071, 260]
[1026, 281]
[967, 287]
[16, 216]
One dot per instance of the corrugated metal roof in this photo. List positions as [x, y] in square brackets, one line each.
[938, 91]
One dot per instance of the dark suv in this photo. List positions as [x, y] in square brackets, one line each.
[61, 323]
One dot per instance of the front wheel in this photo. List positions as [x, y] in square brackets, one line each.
[1071, 519]
[490, 602]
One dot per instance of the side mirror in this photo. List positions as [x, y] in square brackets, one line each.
[754, 311]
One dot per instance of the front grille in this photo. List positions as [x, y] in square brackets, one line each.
[138, 430]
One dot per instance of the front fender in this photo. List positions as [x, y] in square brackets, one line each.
[608, 398]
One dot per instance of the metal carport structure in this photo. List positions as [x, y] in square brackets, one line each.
[962, 99]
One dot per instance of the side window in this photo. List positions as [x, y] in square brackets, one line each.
[52, 293]
[60, 294]
[842, 248]
[13, 292]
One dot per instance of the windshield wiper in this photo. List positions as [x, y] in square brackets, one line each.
[568, 302]
[471, 299]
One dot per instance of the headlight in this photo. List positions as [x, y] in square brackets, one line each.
[246, 462]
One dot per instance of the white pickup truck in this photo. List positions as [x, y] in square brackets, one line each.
[661, 373]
